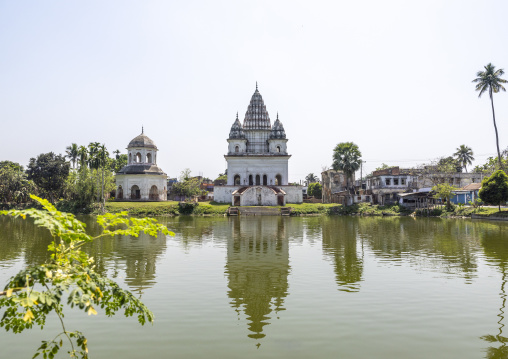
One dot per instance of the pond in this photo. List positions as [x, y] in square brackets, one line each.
[291, 287]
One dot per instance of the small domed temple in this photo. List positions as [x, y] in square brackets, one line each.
[257, 161]
[141, 179]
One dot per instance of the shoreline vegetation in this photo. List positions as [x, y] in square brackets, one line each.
[174, 208]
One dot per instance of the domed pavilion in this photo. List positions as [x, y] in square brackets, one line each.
[141, 179]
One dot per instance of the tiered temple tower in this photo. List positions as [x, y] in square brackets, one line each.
[257, 156]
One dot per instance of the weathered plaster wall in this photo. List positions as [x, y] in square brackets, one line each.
[270, 166]
[144, 182]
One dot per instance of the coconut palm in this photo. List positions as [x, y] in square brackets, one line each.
[72, 153]
[347, 158]
[464, 155]
[490, 80]
[311, 178]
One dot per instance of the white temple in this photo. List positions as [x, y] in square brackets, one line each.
[141, 179]
[257, 161]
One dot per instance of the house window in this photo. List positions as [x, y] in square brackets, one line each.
[237, 149]
[388, 181]
[403, 181]
[396, 181]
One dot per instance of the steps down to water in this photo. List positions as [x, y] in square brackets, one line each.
[233, 211]
[259, 211]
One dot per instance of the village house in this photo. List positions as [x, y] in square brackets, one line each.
[384, 186]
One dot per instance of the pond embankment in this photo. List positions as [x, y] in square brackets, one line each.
[173, 208]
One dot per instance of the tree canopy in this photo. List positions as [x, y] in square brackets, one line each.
[49, 172]
[315, 189]
[347, 158]
[494, 189]
[464, 156]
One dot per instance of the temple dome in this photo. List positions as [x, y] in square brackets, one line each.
[278, 129]
[236, 130]
[142, 140]
[256, 117]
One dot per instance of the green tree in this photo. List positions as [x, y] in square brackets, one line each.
[490, 80]
[39, 290]
[94, 164]
[49, 172]
[185, 175]
[83, 156]
[464, 156]
[13, 165]
[119, 162]
[311, 178]
[72, 152]
[444, 191]
[14, 184]
[495, 189]
[347, 158]
[315, 189]
[187, 188]
[222, 177]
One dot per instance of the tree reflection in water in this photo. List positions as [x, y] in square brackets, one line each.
[340, 243]
[493, 239]
[257, 268]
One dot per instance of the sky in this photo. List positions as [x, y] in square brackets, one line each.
[394, 77]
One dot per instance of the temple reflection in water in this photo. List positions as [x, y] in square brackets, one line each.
[257, 268]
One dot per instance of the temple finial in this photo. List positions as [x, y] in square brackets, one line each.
[256, 85]
[237, 115]
[142, 129]
[277, 115]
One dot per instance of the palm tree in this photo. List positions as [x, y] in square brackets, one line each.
[311, 178]
[103, 157]
[491, 80]
[72, 153]
[464, 155]
[347, 158]
[83, 156]
[94, 162]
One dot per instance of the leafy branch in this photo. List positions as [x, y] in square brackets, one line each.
[38, 290]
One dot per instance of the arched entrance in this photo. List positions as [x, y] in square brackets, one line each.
[278, 180]
[251, 182]
[119, 194]
[265, 180]
[237, 180]
[258, 180]
[154, 193]
[135, 192]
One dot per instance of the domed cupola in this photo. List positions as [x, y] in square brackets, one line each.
[142, 140]
[256, 117]
[277, 129]
[236, 130]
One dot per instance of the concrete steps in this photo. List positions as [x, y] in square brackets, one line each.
[259, 211]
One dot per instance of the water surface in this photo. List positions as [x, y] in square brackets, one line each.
[273, 287]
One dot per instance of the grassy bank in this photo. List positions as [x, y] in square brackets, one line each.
[169, 208]
[364, 209]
